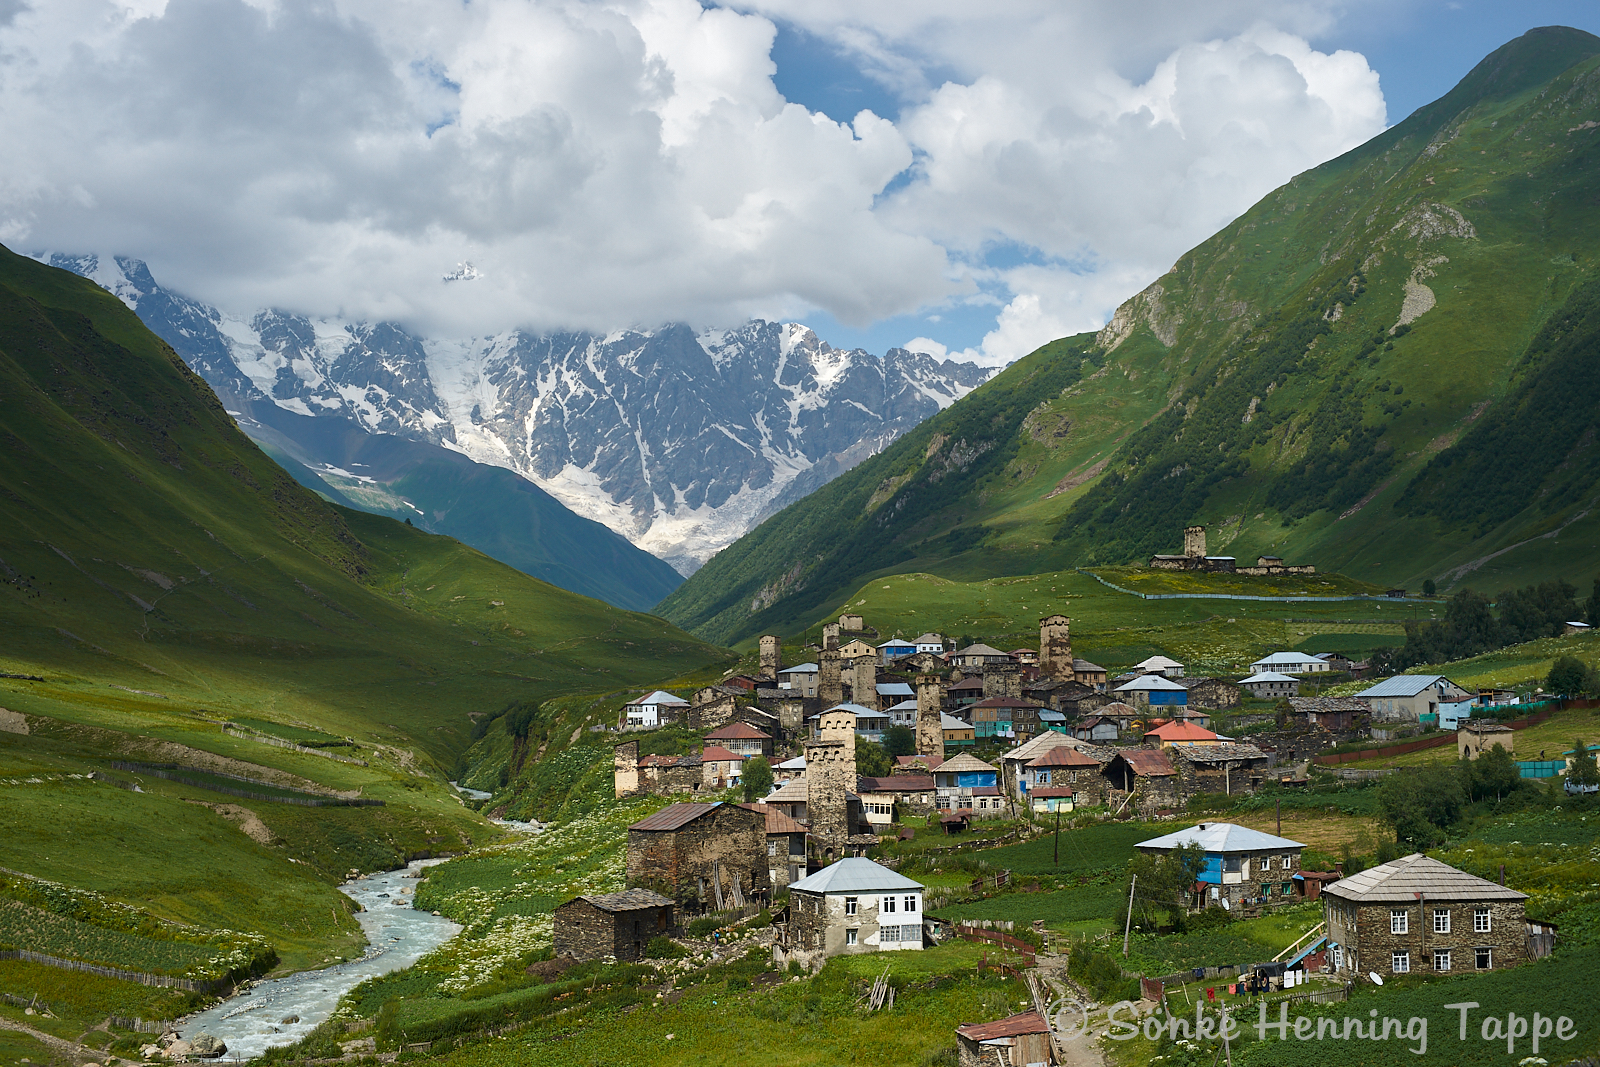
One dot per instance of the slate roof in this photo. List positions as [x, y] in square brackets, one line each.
[965, 761]
[676, 816]
[1219, 753]
[1028, 1022]
[1222, 837]
[1117, 709]
[981, 649]
[1147, 763]
[1485, 728]
[1399, 881]
[627, 900]
[1038, 746]
[1327, 704]
[930, 762]
[854, 874]
[896, 783]
[1403, 685]
[738, 731]
[1085, 665]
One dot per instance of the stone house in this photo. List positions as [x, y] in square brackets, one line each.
[703, 856]
[1333, 714]
[1153, 690]
[742, 739]
[720, 769]
[615, 925]
[965, 692]
[849, 907]
[979, 655]
[1270, 685]
[1242, 866]
[786, 845]
[1212, 693]
[1225, 768]
[1408, 697]
[1064, 767]
[713, 708]
[1011, 1042]
[1417, 915]
[1144, 772]
[652, 710]
[1473, 739]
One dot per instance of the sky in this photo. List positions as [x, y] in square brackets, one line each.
[962, 179]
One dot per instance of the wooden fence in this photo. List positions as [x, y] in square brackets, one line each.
[1447, 738]
[162, 980]
[266, 739]
[142, 1026]
[995, 937]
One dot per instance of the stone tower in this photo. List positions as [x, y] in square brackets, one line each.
[1002, 680]
[930, 716]
[1055, 648]
[862, 675]
[830, 635]
[1194, 542]
[830, 683]
[770, 661]
[625, 769]
[830, 778]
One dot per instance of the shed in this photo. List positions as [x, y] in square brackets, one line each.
[1016, 1040]
[618, 925]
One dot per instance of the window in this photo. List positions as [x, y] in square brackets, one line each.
[910, 904]
[850, 937]
[772, 875]
[1441, 923]
[888, 935]
[1480, 921]
[887, 907]
[849, 905]
[1441, 959]
[1399, 921]
[1400, 962]
[772, 848]
[1485, 959]
[1338, 957]
[1230, 864]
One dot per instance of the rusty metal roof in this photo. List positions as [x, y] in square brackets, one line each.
[1063, 756]
[1146, 762]
[736, 731]
[897, 783]
[777, 821]
[1028, 1022]
[676, 816]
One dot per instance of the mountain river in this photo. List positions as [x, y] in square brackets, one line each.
[397, 936]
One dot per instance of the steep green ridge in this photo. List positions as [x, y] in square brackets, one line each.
[1286, 383]
[149, 544]
[490, 508]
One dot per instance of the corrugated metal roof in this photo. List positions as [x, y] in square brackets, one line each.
[1038, 746]
[800, 668]
[1147, 763]
[1403, 685]
[1157, 663]
[718, 754]
[965, 761]
[895, 689]
[1146, 682]
[1222, 837]
[777, 821]
[1266, 676]
[950, 722]
[1399, 881]
[854, 874]
[1063, 756]
[1028, 1022]
[738, 731]
[1181, 731]
[676, 816]
[904, 705]
[627, 900]
[661, 697]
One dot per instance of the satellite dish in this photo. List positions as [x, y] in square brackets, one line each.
[1377, 979]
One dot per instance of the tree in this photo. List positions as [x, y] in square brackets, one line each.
[1493, 774]
[1428, 588]
[756, 778]
[1164, 882]
[1591, 610]
[1568, 676]
[900, 741]
[1281, 712]
[1583, 770]
[872, 759]
[1422, 803]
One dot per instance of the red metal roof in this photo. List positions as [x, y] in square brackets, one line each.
[777, 821]
[1028, 1022]
[675, 816]
[1063, 756]
[719, 754]
[1181, 731]
[738, 731]
[898, 783]
[1147, 762]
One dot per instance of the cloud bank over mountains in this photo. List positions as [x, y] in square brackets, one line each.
[609, 165]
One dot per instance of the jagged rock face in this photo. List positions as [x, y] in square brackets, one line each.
[679, 442]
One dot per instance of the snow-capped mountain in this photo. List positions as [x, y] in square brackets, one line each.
[679, 442]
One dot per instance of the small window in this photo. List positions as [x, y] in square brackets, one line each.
[1230, 864]
[1441, 923]
[1338, 957]
[1441, 959]
[1485, 959]
[772, 848]
[887, 906]
[1401, 962]
[910, 903]
[849, 905]
[888, 935]
[850, 937]
[1399, 922]
[1480, 921]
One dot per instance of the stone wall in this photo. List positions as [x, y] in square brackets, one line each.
[830, 774]
[713, 712]
[1194, 541]
[586, 932]
[1002, 680]
[861, 675]
[1212, 693]
[681, 863]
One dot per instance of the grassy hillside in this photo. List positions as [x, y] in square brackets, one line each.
[1393, 327]
[161, 576]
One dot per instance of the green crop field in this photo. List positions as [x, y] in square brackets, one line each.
[31, 928]
[77, 1001]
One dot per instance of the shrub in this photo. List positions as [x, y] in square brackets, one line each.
[664, 948]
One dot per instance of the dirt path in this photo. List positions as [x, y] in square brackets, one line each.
[79, 1053]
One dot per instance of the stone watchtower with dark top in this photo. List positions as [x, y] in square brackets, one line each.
[1194, 542]
[930, 716]
[770, 658]
[1055, 647]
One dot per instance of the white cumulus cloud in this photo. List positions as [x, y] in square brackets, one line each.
[606, 164]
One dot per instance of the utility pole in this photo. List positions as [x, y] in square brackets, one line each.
[1277, 806]
[1057, 861]
[1127, 926]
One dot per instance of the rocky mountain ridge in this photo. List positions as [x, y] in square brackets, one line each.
[680, 442]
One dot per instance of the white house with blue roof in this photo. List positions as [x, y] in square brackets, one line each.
[1242, 866]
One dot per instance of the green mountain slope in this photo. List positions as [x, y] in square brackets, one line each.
[1328, 355]
[149, 544]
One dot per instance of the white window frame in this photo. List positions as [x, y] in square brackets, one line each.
[1441, 960]
[909, 904]
[1400, 962]
[1483, 958]
[886, 906]
[1441, 920]
[850, 905]
[1481, 921]
[1399, 921]
[850, 936]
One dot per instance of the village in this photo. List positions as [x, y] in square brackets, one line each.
[797, 779]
